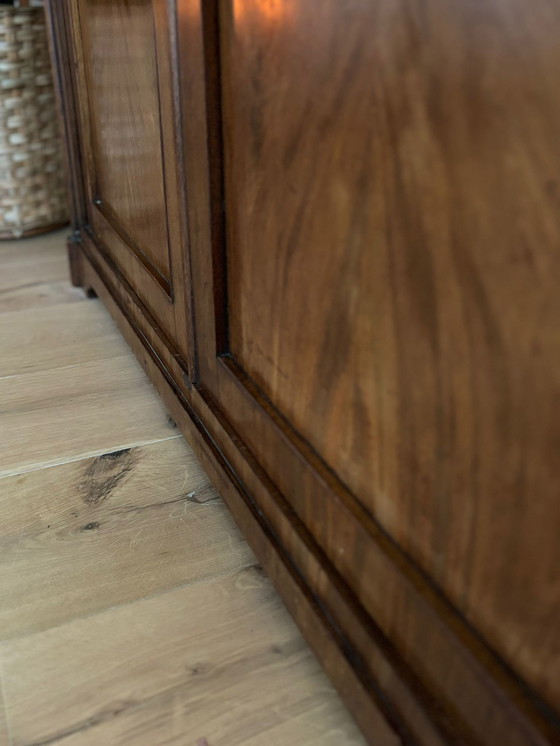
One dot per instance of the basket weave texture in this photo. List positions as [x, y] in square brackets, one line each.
[32, 179]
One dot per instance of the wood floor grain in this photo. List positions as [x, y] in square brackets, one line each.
[4, 733]
[63, 414]
[32, 250]
[53, 337]
[220, 660]
[35, 273]
[131, 610]
[16, 294]
[87, 535]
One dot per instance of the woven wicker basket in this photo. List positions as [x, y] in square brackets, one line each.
[33, 193]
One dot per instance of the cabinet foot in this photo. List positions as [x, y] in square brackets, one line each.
[76, 265]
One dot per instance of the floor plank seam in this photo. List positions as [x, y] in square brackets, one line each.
[28, 468]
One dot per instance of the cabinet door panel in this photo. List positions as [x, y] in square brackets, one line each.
[384, 212]
[121, 65]
[303, 195]
[129, 141]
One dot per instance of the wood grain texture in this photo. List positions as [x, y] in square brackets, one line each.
[290, 711]
[391, 224]
[312, 615]
[173, 681]
[80, 537]
[121, 69]
[141, 228]
[372, 243]
[48, 266]
[51, 286]
[303, 200]
[4, 730]
[57, 337]
[455, 684]
[100, 532]
[32, 250]
[22, 295]
[63, 414]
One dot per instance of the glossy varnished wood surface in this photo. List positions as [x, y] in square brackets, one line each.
[300, 218]
[391, 234]
[121, 68]
[133, 611]
[130, 170]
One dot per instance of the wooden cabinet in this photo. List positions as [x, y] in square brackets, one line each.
[330, 231]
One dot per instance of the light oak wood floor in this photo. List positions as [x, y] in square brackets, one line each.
[131, 609]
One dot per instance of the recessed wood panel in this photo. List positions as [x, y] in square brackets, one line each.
[122, 73]
[303, 206]
[392, 277]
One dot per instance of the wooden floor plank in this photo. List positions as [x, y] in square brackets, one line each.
[32, 250]
[38, 294]
[280, 705]
[4, 732]
[219, 662]
[84, 536]
[34, 273]
[29, 268]
[55, 337]
[64, 414]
